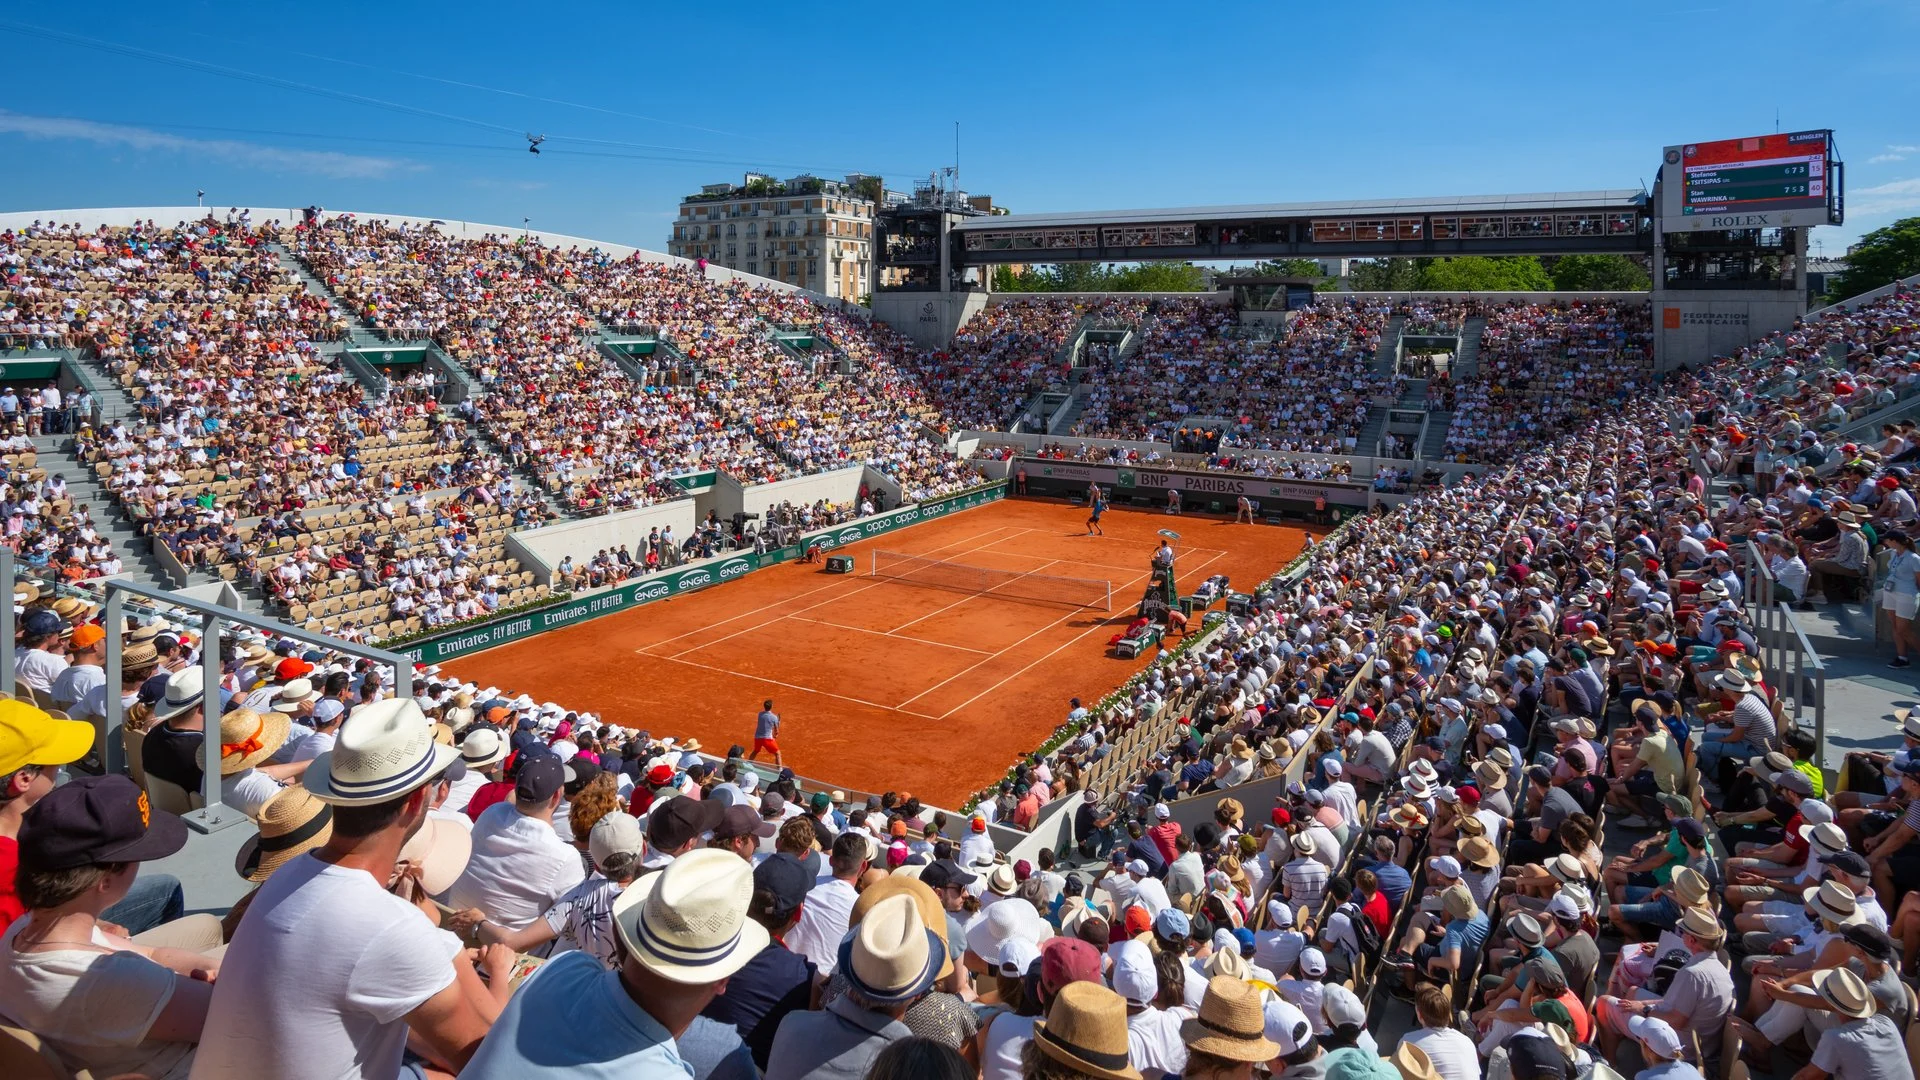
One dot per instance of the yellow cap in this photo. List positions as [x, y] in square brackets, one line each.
[29, 736]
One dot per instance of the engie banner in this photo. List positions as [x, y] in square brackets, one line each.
[855, 531]
[469, 639]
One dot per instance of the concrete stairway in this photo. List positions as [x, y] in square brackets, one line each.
[1467, 362]
[359, 335]
[1436, 440]
[1383, 358]
[55, 455]
[1075, 406]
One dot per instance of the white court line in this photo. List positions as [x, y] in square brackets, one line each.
[1030, 667]
[789, 686]
[964, 599]
[888, 633]
[788, 600]
[810, 607]
[1043, 629]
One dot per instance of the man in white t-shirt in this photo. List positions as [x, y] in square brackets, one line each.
[829, 905]
[330, 972]
[87, 651]
[1453, 1054]
[520, 866]
[42, 655]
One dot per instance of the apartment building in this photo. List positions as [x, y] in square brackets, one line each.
[807, 231]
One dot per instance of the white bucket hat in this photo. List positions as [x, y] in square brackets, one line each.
[688, 923]
[385, 750]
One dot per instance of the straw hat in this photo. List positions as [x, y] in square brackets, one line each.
[1002, 881]
[291, 823]
[1413, 1063]
[892, 957]
[1231, 1023]
[484, 747]
[1228, 964]
[1833, 901]
[1408, 816]
[1086, 1030]
[1566, 869]
[1701, 924]
[185, 691]
[688, 923]
[1491, 775]
[1846, 992]
[384, 750]
[932, 912]
[135, 657]
[439, 850]
[1478, 852]
[247, 738]
[1690, 886]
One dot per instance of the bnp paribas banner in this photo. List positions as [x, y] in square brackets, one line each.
[856, 531]
[471, 639]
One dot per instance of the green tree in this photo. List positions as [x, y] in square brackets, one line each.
[870, 188]
[1158, 277]
[1093, 277]
[1882, 256]
[1517, 273]
[1295, 268]
[1599, 273]
[1383, 275]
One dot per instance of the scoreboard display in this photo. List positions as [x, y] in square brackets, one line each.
[1762, 182]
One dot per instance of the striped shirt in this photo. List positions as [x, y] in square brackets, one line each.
[1756, 716]
[1304, 881]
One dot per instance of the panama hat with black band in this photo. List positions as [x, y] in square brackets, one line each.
[385, 750]
[688, 923]
[1086, 1030]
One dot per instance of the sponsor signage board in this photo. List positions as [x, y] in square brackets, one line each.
[526, 624]
[1130, 481]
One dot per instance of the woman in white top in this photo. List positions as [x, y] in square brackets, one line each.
[100, 1000]
[1900, 593]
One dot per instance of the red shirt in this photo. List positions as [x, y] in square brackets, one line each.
[1376, 912]
[10, 906]
[488, 794]
[1162, 836]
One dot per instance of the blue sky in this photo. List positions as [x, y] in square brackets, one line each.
[414, 108]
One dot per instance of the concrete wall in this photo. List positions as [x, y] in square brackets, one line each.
[879, 481]
[841, 485]
[726, 496]
[929, 318]
[1690, 327]
[540, 550]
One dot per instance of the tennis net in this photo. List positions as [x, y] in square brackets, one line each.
[1012, 584]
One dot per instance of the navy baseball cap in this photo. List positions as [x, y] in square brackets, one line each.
[779, 885]
[539, 778]
[97, 819]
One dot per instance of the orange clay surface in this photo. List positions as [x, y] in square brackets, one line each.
[883, 685]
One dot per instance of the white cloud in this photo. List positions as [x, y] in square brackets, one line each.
[1895, 197]
[1882, 159]
[249, 155]
[1904, 149]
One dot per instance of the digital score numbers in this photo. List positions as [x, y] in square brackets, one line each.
[1770, 172]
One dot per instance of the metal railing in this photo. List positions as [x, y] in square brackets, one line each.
[211, 816]
[1785, 654]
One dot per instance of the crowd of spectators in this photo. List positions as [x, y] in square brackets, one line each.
[1544, 369]
[1009, 351]
[1464, 690]
[1307, 392]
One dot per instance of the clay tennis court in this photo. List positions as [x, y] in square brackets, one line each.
[882, 684]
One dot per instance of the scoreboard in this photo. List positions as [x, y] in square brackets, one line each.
[1767, 181]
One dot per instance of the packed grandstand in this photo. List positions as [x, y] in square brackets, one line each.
[1531, 802]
